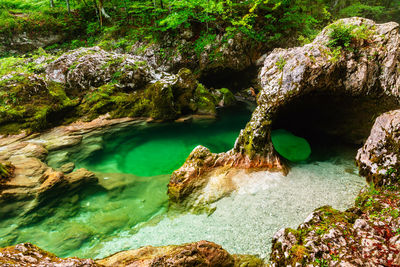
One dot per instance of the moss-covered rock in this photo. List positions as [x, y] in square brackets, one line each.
[226, 97]
[205, 101]
[162, 101]
[41, 92]
[365, 235]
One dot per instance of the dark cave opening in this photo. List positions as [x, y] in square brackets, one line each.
[326, 120]
[234, 80]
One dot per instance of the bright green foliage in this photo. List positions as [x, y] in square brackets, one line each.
[270, 21]
[342, 35]
[289, 146]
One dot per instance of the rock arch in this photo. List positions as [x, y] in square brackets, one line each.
[313, 80]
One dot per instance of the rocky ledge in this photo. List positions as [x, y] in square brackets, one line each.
[324, 88]
[202, 253]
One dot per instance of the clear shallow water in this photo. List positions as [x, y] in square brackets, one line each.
[159, 149]
[246, 221]
[130, 210]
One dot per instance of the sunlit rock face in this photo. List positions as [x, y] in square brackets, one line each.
[378, 159]
[316, 90]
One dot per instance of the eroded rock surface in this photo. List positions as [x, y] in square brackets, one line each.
[30, 255]
[379, 158]
[86, 83]
[32, 179]
[366, 235]
[202, 253]
[367, 70]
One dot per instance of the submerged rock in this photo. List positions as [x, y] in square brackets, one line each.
[289, 146]
[379, 158]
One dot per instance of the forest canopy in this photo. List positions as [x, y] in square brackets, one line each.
[261, 20]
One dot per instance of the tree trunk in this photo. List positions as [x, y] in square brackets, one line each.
[51, 3]
[68, 7]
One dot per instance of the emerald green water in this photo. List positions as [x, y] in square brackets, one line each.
[289, 146]
[128, 209]
[133, 166]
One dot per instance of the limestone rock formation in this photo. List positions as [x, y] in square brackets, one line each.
[316, 90]
[30, 255]
[366, 235]
[89, 82]
[363, 78]
[202, 253]
[379, 158]
[25, 42]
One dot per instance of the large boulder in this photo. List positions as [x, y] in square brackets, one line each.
[92, 67]
[89, 82]
[379, 158]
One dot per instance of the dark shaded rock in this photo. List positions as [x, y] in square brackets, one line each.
[24, 42]
[6, 171]
[379, 158]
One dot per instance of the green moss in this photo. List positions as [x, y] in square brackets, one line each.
[204, 100]
[162, 101]
[247, 261]
[227, 97]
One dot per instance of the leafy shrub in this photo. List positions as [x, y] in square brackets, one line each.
[343, 35]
